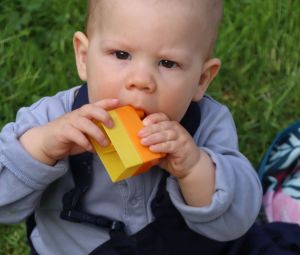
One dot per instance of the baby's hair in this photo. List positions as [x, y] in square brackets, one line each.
[89, 13]
[214, 7]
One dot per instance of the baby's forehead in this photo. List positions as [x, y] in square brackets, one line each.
[206, 13]
[211, 9]
[194, 4]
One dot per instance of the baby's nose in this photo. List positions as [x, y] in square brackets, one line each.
[141, 80]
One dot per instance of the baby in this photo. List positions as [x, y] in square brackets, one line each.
[157, 57]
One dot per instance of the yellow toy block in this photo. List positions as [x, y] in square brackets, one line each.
[125, 156]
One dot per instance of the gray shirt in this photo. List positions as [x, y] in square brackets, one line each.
[27, 185]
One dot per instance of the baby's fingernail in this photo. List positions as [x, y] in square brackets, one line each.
[115, 100]
[104, 143]
[141, 133]
[146, 122]
[144, 141]
[110, 124]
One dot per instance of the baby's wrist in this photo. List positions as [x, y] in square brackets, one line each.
[46, 159]
[191, 163]
[31, 142]
[198, 185]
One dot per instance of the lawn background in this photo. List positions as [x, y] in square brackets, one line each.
[259, 79]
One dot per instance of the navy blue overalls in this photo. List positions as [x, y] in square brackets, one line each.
[168, 234]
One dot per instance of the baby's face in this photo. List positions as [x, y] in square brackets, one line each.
[148, 54]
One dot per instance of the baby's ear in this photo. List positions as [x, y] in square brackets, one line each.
[209, 71]
[80, 44]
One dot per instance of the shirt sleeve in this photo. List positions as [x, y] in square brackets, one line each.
[22, 178]
[238, 193]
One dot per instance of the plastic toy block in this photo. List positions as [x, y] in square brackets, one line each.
[125, 156]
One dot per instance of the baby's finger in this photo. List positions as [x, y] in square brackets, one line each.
[91, 111]
[75, 136]
[108, 103]
[168, 147]
[89, 128]
[155, 118]
[159, 137]
[157, 127]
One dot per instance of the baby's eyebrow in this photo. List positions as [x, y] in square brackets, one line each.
[176, 53]
[116, 43]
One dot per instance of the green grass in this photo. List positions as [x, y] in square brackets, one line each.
[12, 240]
[259, 79]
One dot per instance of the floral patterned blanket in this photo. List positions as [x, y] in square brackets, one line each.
[279, 172]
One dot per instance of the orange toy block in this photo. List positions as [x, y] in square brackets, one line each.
[125, 156]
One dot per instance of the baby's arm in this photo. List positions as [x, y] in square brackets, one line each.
[23, 178]
[236, 198]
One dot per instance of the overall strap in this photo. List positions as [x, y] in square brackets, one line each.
[81, 167]
[161, 205]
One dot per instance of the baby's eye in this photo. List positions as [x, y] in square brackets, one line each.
[168, 63]
[122, 54]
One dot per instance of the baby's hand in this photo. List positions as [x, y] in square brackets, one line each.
[68, 134]
[165, 136]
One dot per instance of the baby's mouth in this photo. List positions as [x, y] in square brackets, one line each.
[140, 113]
